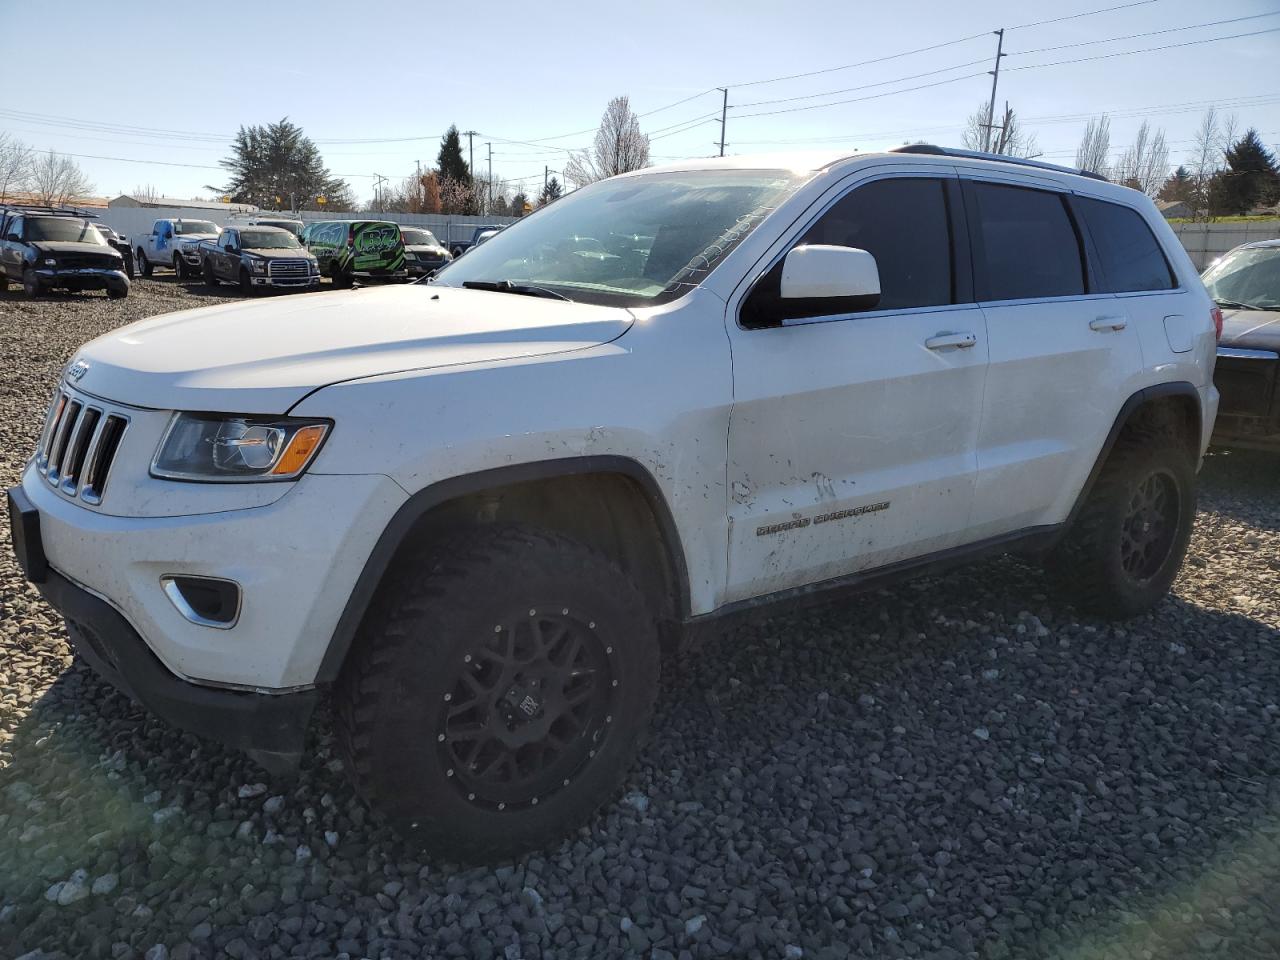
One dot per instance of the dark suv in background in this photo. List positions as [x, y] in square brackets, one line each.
[49, 247]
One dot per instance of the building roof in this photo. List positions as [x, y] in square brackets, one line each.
[176, 202]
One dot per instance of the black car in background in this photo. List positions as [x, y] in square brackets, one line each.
[423, 253]
[1245, 284]
[120, 244]
[45, 248]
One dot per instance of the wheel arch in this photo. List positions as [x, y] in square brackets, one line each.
[611, 502]
[1173, 406]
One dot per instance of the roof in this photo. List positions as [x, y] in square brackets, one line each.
[177, 202]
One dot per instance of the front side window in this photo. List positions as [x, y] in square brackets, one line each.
[193, 226]
[628, 241]
[1025, 245]
[1128, 253]
[902, 222]
[14, 229]
[63, 229]
[1246, 279]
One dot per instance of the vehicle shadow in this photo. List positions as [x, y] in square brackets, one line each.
[829, 758]
[1243, 485]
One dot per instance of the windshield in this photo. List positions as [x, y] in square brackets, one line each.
[268, 240]
[629, 241]
[1246, 278]
[62, 229]
[193, 226]
[419, 238]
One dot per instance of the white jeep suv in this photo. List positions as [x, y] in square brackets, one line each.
[477, 511]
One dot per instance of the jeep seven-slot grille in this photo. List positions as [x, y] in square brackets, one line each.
[77, 446]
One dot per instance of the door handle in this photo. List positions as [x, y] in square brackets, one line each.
[942, 341]
[1108, 323]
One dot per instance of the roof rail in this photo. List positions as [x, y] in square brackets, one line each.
[44, 208]
[936, 151]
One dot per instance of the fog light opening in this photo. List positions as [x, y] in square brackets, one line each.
[205, 601]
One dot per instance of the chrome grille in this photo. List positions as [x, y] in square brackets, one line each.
[283, 268]
[78, 445]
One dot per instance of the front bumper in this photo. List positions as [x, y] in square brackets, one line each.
[1249, 412]
[285, 283]
[82, 278]
[295, 560]
[423, 268]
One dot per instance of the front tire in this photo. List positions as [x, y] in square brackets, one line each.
[210, 278]
[179, 266]
[342, 279]
[498, 692]
[30, 284]
[1125, 548]
[117, 291]
[246, 285]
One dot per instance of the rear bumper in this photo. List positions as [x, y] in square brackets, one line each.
[259, 723]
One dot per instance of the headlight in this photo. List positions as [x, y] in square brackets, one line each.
[50, 262]
[259, 266]
[315, 266]
[232, 448]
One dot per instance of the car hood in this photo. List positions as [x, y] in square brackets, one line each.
[1251, 329]
[264, 356]
[425, 248]
[271, 253]
[71, 246]
[194, 237]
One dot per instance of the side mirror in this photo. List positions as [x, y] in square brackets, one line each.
[14, 238]
[821, 272]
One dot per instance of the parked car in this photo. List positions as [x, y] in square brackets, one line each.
[423, 253]
[119, 244]
[258, 258]
[1245, 284]
[347, 249]
[462, 246]
[174, 243]
[292, 224]
[46, 248]
[476, 513]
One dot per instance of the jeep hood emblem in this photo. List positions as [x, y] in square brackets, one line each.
[76, 372]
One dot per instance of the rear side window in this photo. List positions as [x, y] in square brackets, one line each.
[903, 224]
[1025, 245]
[1130, 256]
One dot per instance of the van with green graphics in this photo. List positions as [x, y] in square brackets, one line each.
[347, 249]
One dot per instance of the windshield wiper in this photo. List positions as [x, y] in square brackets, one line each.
[1236, 304]
[506, 286]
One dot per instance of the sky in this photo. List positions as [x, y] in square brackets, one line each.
[163, 88]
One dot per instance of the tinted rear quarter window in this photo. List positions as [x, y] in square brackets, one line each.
[1128, 253]
[1025, 245]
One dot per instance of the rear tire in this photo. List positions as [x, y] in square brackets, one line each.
[1125, 547]
[144, 265]
[498, 692]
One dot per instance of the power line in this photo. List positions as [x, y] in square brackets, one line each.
[874, 96]
[1077, 16]
[1151, 33]
[1128, 53]
[865, 86]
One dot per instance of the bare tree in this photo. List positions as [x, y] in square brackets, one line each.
[147, 194]
[58, 179]
[1205, 160]
[619, 147]
[1095, 147]
[1008, 137]
[1145, 165]
[15, 165]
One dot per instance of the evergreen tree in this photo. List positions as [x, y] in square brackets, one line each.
[517, 204]
[551, 191]
[450, 162]
[1251, 177]
[278, 161]
[1179, 186]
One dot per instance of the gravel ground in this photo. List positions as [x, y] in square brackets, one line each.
[953, 768]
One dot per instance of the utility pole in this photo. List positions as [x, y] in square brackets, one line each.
[471, 151]
[378, 181]
[724, 115]
[490, 206]
[995, 78]
[545, 172]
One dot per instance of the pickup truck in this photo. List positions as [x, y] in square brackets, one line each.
[258, 257]
[173, 243]
[462, 246]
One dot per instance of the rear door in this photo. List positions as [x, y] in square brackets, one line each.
[852, 435]
[1062, 353]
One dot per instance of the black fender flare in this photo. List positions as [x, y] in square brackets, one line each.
[420, 503]
[1176, 388]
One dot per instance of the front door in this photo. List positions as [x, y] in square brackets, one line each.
[852, 436]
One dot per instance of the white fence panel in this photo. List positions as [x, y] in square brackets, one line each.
[1205, 242]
